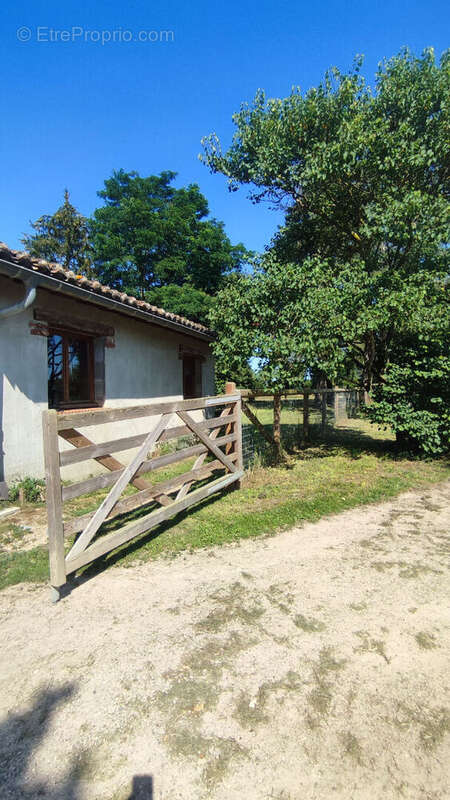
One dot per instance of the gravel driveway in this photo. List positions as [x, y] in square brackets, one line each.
[309, 665]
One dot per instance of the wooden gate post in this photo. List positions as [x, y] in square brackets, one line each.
[54, 503]
[230, 388]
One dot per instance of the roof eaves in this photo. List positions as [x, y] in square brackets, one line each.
[56, 278]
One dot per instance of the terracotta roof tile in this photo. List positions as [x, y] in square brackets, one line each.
[67, 276]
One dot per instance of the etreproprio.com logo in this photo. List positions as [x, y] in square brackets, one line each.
[78, 34]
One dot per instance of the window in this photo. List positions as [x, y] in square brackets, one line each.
[70, 370]
[192, 377]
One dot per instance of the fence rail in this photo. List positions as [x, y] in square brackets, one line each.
[222, 430]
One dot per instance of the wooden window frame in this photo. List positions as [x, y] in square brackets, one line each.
[67, 403]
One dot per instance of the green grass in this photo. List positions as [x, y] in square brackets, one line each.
[10, 532]
[21, 566]
[356, 464]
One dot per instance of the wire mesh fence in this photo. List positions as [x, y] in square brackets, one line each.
[322, 411]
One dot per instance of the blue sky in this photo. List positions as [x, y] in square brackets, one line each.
[72, 111]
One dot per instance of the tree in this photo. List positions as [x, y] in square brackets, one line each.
[61, 237]
[149, 234]
[256, 316]
[414, 397]
[364, 179]
[185, 300]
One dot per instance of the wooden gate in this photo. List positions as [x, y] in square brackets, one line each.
[219, 448]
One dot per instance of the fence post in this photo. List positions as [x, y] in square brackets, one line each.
[230, 388]
[54, 502]
[336, 403]
[305, 417]
[340, 404]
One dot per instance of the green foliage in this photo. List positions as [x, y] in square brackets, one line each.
[33, 490]
[243, 376]
[254, 316]
[365, 179]
[414, 397]
[148, 239]
[61, 237]
[185, 300]
[149, 234]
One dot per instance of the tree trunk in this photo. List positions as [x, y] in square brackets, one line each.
[369, 357]
[277, 426]
[255, 421]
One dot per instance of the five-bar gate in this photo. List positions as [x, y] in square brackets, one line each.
[219, 448]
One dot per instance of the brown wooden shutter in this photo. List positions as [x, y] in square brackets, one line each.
[198, 377]
[99, 370]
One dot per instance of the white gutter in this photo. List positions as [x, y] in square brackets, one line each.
[30, 296]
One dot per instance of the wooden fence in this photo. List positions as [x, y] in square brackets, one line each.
[311, 398]
[219, 436]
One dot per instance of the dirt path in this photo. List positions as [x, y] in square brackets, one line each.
[307, 666]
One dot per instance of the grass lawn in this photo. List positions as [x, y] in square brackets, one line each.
[354, 464]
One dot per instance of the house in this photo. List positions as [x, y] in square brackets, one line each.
[67, 342]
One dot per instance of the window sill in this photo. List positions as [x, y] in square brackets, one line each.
[73, 409]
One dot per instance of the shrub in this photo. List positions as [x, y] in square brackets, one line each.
[33, 490]
[414, 398]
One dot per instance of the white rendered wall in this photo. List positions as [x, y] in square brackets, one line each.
[144, 366]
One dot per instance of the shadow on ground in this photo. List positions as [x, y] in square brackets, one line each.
[21, 734]
[346, 439]
[104, 562]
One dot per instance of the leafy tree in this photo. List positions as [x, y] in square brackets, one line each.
[256, 316]
[414, 397]
[61, 237]
[149, 234]
[364, 179]
[185, 300]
